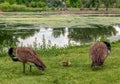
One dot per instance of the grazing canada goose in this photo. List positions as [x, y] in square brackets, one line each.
[26, 55]
[98, 53]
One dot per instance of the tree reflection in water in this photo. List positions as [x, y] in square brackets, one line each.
[90, 34]
[11, 33]
[85, 35]
[58, 31]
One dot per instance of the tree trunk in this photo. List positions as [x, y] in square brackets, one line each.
[64, 6]
[83, 3]
[82, 8]
[90, 7]
[97, 8]
[107, 7]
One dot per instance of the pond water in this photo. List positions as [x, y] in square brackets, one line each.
[65, 36]
[59, 30]
[29, 35]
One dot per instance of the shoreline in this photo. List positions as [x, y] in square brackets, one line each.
[114, 12]
[82, 12]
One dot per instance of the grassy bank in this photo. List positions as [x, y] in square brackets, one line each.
[79, 72]
[7, 7]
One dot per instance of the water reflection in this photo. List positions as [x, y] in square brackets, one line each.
[10, 34]
[24, 34]
[93, 33]
[64, 36]
[56, 32]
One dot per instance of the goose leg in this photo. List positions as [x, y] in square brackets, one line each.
[23, 67]
[30, 68]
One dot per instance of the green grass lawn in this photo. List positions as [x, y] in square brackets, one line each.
[79, 72]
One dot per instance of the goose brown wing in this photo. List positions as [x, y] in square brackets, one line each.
[28, 55]
[98, 51]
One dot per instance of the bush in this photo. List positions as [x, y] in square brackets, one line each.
[37, 4]
[41, 4]
[16, 7]
[44, 8]
[5, 6]
[33, 4]
[52, 8]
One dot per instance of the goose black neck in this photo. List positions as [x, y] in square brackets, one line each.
[108, 45]
[10, 52]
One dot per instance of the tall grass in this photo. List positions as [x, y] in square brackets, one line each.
[46, 48]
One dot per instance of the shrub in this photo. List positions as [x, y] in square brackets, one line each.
[52, 8]
[41, 4]
[8, 8]
[16, 7]
[33, 4]
[5, 6]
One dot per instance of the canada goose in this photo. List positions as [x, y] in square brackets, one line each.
[26, 55]
[98, 53]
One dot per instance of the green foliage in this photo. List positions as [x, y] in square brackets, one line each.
[52, 8]
[59, 4]
[41, 4]
[11, 1]
[68, 3]
[5, 6]
[33, 4]
[16, 7]
[37, 4]
[76, 3]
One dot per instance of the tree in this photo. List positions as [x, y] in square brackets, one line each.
[108, 3]
[59, 5]
[90, 8]
[11, 1]
[1, 1]
[83, 4]
[98, 5]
